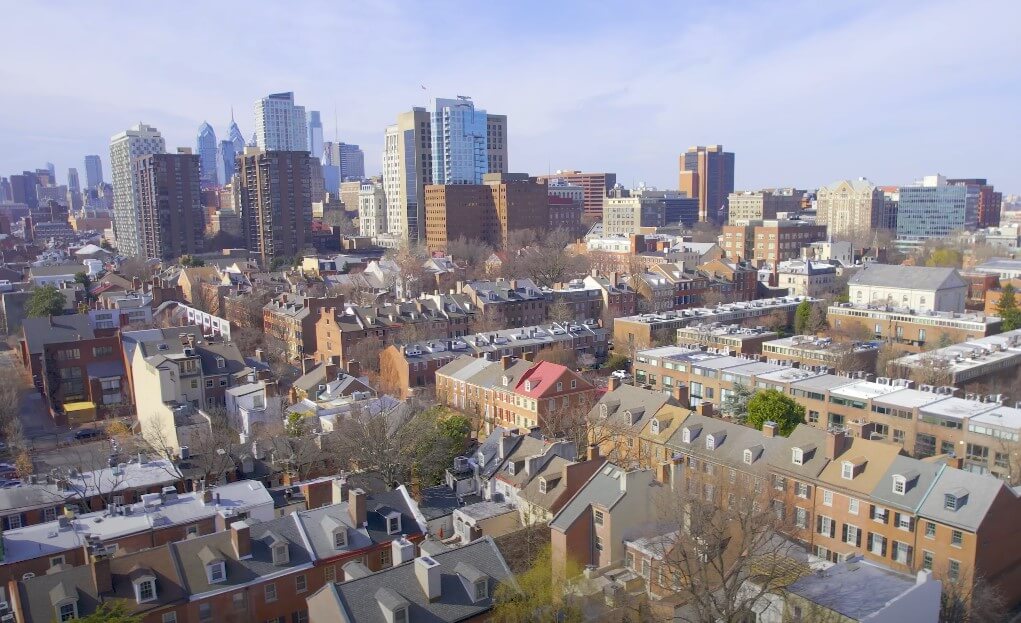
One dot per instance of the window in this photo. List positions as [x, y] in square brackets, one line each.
[826, 526]
[215, 572]
[930, 530]
[813, 417]
[67, 612]
[827, 497]
[169, 617]
[271, 593]
[598, 517]
[49, 514]
[797, 456]
[301, 616]
[903, 521]
[301, 583]
[927, 560]
[280, 554]
[481, 589]
[847, 470]
[879, 514]
[240, 603]
[574, 384]
[145, 591]
[393, 524]
[852, 535]
[954, 570]
[599, 544]
[950, 502]
[800, 517]
[401, 615]
[902, 553]
[205, 612]
[957, 538]
[193, 531]
[801, 490]
[209, 382]
[877, 544]
[748, 457]
[852, 506]
[329, 574]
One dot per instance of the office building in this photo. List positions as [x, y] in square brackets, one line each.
[274, 202]
[851, 207]
[371, 209]
[206, 148]
[748, 206]
[125, 148]
[93, 171]
[624, 216]
[773, 240]
[707, 174]
[595, 187]
[409, 150]
[503, 203]
[170, 206]
[280, 125]
[73, 183]
[6, 194]
[351, 160]
[23, 189]
[227, 152]
[932, 208]
[315, 134]
[349, 193]
[990, 202]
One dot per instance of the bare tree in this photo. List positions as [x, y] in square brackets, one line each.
[472, 253]
[411, 277]
[341, 221]
[969, 599]
[560, 311]
[135, 268]
[548, 260]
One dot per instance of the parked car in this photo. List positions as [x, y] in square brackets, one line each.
[620, 374]
[86, 433]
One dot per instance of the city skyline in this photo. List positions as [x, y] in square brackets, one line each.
[771, 84]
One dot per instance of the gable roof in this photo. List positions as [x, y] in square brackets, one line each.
[919, 476]
[542, 378]
[908, 277]
[318, 524]
[629, 398]
[877, 456]
[604, 489]
[359, 599]
[976, 491]
[731, 440]
[39, 332]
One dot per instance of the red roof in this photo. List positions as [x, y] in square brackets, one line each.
[540, 379]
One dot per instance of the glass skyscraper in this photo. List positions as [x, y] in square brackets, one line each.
[459, 142]
[934, 209]
[206, 147]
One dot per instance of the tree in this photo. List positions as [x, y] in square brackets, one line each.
[1007, 309]
[616, 361]
[340, 220]
[45, 301]
[944, 256]
[86, 283]
[134, 268]
[535, 595]
[189, 261]
[775, 406]
[281, 263]
[969, 599]
[560, 311]
[547, 261]
[802, 316]
[411, 278]
[567, 357]
[111, 612]
[473, 253]
[735, 405]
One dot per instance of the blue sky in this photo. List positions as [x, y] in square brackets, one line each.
[804, 92]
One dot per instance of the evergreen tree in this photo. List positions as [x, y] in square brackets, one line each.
[1006, 308]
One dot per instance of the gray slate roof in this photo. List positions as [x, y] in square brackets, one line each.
[735, 440]
[908, 277]
[42, 331]
[854, 589]
[812, 441]
[319, 524]
[978, 491]
[603, 488]
[359, 599]
[919, 476]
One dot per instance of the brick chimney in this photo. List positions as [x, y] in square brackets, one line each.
[613, 383]
[241, 539]
[354, 369]
[505, 361]
[769, 428]
[356, 506]
[339, 490]
[101, 574]
[705, 409]
[592, 453]
[680, 394]
[529, 356]
[836, 441]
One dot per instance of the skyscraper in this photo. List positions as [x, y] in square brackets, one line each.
[408, 157]
[352, 162]
[990, 202]
[93, 172]
[206, 148]
[125, 148]
[274, 202]
[315, 134]
[228, 151]
[6, 194]
[707, 174]
[170, 204]
[73, 184]
[460, 142]
[23, 189]
[279, 124]
[53, 172]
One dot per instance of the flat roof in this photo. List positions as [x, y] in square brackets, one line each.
[49, 538]
[666, 351]
[957, 407]
[789, 375]
[1005, 417]
[487, 509]
[855, 589]
[864, 390]
[756, 368]
[908, 398]
[824, 382]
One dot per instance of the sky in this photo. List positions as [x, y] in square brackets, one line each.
[804, 93]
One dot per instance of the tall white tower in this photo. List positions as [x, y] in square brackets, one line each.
[279, 124]
[125, 148]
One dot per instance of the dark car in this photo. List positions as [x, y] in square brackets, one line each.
[86, 434]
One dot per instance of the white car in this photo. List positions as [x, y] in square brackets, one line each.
[620, 374]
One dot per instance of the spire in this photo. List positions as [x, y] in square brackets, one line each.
[232, 114]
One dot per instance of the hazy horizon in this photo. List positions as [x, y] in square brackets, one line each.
[804, 95]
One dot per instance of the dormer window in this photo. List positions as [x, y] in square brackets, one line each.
[710, 442]
[654, 426]
[506, 380]
[280, 554]
[847, 470]
[528, 386]
[604, 410]
[393, 523]
[215, 572]
[797, 456]
[400, 615]
[686, 435]
[482, 460]
[67, 611]
[900, 484]
[510, 467]
[221, 363]
[955, 500]
[542, 485]
[145, 589]
[340, 538]
[481, 589]
[748, 457]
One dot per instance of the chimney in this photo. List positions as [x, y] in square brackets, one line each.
[505, 361]
[191, 340]
[207, 496]
[356, 507]
[427, 571]
[403, 551]
[705, 409]
[260, 355]
[339, 490]
[354, 369]
[835, 442]
[769, 428]
[101, 574]
[529, 356]
[331, 371]
[680, 394]
[307, 363]
[505, 445]
[241, 538]
[592, 453]
[613, 383]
